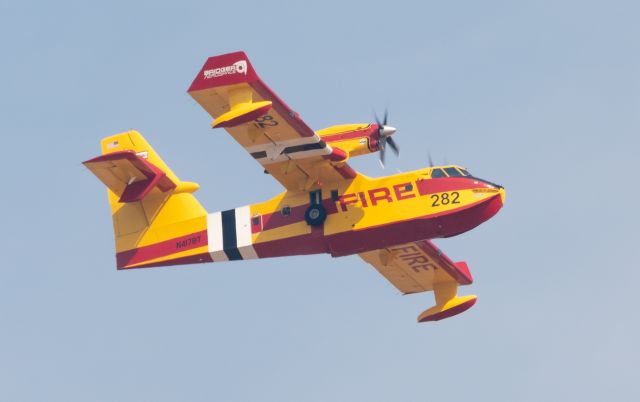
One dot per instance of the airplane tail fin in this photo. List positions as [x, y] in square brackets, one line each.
[156, 219]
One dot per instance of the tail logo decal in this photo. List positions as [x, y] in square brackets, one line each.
[239, 67]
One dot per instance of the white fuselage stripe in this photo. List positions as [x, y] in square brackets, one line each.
[214, 235]
[243, 240]
[243, 233]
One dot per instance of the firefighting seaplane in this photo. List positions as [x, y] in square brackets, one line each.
[326, 207]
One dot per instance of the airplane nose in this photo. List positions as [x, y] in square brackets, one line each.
[489, 184]
[388, 130]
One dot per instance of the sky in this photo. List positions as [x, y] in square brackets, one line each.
[542, 97]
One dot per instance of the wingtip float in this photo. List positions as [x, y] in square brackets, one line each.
[327, 207]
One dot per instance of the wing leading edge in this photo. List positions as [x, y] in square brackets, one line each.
[229, 89]
[420, 267]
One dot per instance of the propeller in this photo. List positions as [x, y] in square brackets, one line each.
[384, 136]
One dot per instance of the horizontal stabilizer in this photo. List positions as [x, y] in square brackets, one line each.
[129, 175]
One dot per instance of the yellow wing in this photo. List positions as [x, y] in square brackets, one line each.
[229, 89]
[419, 267]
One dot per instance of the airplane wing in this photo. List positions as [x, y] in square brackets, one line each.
[229, 89]
[419, 267]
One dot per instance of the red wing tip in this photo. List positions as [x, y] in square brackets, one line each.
[222, 70]
[465, 273]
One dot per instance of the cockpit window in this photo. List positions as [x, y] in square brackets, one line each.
[452, 172]
[464, 171]
[437, 173]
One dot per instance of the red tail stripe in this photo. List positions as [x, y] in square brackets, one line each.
[161, 249]
[192, 259]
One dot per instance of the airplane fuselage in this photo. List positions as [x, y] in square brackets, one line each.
[362, 214]
[367, 214]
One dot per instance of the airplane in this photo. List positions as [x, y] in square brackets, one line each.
[326, 207]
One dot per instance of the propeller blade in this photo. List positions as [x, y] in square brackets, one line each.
[375, 116]
[393, 145]
[430, 160]
[386, 114]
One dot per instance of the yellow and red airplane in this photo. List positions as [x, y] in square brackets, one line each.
[327, 207]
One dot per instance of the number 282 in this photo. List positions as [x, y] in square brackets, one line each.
[445, 199]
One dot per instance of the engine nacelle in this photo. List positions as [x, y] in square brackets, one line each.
[353, 139]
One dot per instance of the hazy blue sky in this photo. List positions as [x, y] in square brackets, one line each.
[542, 97]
